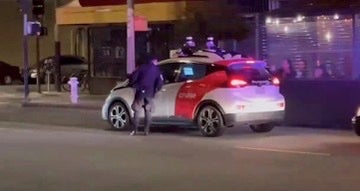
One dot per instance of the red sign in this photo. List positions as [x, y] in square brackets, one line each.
[89, 3]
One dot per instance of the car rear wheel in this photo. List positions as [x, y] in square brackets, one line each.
[119, 116]
[357, 128]
[210, 121]
[262, 128]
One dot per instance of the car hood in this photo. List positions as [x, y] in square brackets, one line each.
[121, 85]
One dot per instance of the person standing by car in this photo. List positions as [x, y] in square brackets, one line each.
[147, 81]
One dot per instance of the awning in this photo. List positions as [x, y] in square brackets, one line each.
[74, 14]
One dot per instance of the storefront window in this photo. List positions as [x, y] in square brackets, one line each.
[108, 45]
[311, 44]
[108, 48]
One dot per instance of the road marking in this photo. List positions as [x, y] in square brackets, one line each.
[284, 151]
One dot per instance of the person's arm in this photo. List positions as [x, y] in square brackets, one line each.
[159, 82]
[133, 78]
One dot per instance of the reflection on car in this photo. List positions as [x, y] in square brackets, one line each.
[9, 74]
[206, 94]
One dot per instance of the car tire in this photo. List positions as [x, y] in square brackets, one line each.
[262, 128]
[8, 80]
[210, 121]
[357, 128]
[119, 117]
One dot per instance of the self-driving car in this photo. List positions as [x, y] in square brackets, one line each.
[209, 95]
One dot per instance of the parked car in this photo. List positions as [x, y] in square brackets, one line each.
[356, 122]
[210, 95]
[9, 74]
[69, 64]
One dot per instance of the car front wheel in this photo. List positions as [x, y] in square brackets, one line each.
[210, 121]
[119, 116]
[262, 128]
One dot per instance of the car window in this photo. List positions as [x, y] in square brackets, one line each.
[212, 68]
[249, 71]
[191, 72]
[169, 72]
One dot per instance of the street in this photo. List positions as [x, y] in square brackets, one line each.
[45, 148]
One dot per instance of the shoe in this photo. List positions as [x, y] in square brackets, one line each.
[133, 133]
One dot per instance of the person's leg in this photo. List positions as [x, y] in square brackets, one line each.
[136, 107]
[149, 107]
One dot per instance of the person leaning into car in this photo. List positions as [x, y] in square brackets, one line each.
[147, 81]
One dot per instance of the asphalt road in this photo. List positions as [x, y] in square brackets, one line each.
[88, 118]
[67, 149]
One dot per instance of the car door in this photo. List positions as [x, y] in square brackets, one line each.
[165, 99]
[192, 89]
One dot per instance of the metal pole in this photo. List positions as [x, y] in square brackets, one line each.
[130, 56]
[26, 61]
[57, 54]
[38, 83]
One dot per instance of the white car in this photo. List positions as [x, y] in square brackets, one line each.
[208, 95]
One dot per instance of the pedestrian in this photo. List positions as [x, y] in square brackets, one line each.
[301, 70]
[319, 71]
[147, 81]
[286, 71]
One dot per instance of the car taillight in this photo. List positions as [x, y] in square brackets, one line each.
[281, 105]
[276, 81]
[237, 83]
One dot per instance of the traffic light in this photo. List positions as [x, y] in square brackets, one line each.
[38, 8]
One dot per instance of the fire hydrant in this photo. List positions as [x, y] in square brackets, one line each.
[74, 94]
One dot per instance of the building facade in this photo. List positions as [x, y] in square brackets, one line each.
[11, 35]
[278, 31]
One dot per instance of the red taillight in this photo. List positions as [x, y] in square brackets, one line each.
[250, 61]
[276, 81]
[281, 104]
[237, 83]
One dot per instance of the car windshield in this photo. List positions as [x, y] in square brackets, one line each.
[249, 72]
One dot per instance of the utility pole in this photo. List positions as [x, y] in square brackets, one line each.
[57, 54]
[38, 82]
[38, 10]
[130, 56]
[25, 7]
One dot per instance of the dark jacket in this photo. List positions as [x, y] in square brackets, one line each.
[147, 80]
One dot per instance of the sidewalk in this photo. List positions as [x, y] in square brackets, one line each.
[15, 94]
